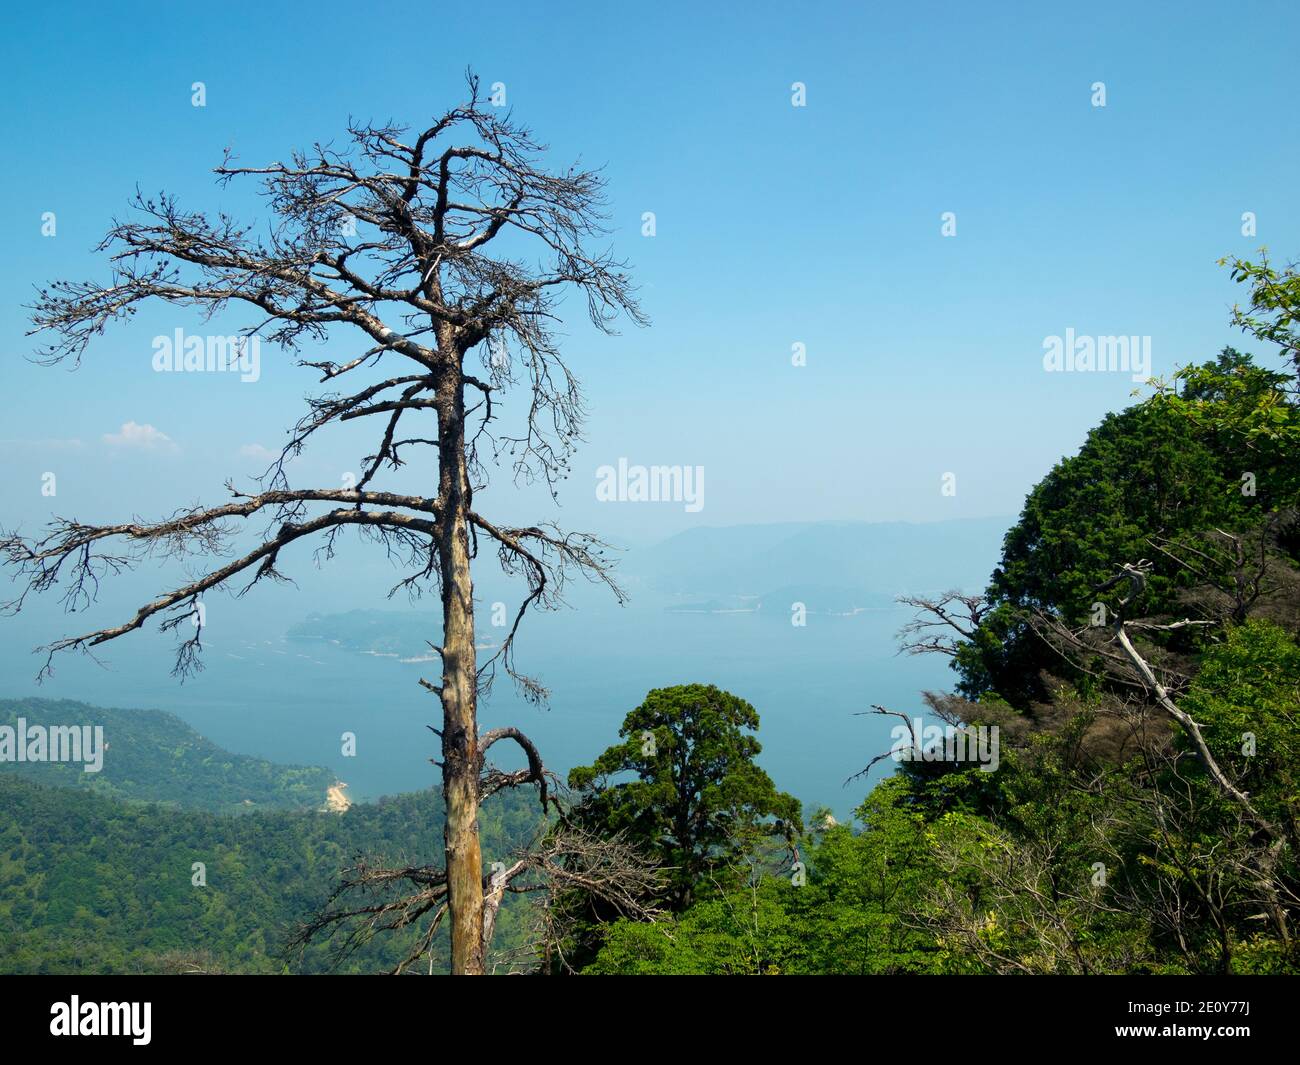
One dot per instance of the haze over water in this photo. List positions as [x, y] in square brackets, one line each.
[290, 699]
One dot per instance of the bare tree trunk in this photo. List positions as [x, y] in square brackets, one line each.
[1193, 730]
[460, 755]
[431, 206]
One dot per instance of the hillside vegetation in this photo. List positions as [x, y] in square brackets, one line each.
[156, 757]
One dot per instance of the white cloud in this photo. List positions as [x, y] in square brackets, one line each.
[257, 451]
[144, 437]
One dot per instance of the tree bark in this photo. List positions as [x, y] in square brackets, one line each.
[460, 755]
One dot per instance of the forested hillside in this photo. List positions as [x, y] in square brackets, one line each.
[101, 877]
[157, 757]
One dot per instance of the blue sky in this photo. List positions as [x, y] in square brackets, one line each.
[776, 225]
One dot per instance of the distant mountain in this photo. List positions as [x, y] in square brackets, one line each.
[830, 567]
[846, 558]
[381, 632]
[821, 599]
[153, 756]
[816, 599]
[387, 633]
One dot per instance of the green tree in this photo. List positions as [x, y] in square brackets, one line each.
[695, 798]
[1149, 482]
[853, 913]
[1246, 698]
[1274, 312]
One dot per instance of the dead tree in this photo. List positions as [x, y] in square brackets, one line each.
[1109, 652]
[1118, 660]
[1238, 575]
[372, 897]
[427, 245]
[942, 624]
